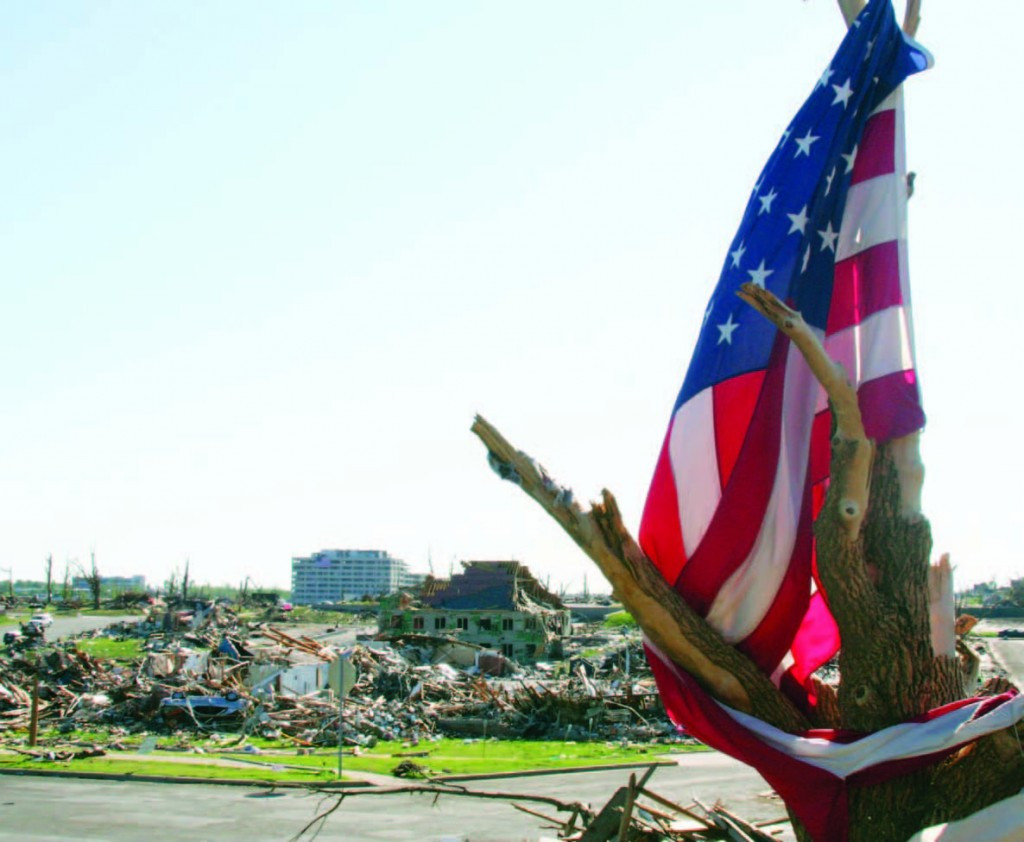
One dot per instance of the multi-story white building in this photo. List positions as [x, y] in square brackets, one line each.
[332, 575]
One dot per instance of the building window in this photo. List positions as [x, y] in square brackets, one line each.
[417, 622]
[439, 622]
[530, 623]
[484, 624]
[506, 624]
[462, 623]
[506, 650]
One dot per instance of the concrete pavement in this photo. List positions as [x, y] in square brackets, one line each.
[43, 810]
[1010, 653]
[68, 625]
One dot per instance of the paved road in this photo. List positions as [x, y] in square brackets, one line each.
[1010, 654]
[68, 625]
[127, 811]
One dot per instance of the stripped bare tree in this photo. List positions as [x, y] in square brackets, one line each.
[49, 578]
[93, 580]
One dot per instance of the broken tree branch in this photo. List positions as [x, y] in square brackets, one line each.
[667, 620]
[842, 396]
[912, 17]
[850, 10]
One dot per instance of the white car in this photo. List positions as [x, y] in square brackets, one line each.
[45, 620]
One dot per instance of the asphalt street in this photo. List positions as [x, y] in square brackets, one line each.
[1010, 654]
[43, 810]
[66, 626]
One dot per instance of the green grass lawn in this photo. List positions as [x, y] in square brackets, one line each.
[619, 619]
[446, 757]
[454, 757]
[128, 765]
[107, 647]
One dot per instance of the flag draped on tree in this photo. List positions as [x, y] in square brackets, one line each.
[745, 460]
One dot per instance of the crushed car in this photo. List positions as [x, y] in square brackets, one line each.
[203, 708]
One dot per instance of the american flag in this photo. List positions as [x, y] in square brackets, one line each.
[744, 464]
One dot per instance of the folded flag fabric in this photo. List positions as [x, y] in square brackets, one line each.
[814, 771]
[744, 465]
[743, 468]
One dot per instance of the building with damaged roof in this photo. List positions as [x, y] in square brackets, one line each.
[496, 604]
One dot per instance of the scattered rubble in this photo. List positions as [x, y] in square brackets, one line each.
[634, 812]
[204, 670]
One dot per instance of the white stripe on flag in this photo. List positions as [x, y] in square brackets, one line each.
[694, 459]
[878, 346]
[749, 592]
[872, 215]
[898, 742]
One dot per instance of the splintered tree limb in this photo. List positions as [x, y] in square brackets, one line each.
[850, 10]
[912, 17]
[842, 397]
[873, 557]
[906, 456]
[667, 620]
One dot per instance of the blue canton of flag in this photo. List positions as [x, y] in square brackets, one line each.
[787, 241]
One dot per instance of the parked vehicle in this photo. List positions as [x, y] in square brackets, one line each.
[203, 708]
[43, 618]
[1008, 633]
[33, 628]
[12, 636]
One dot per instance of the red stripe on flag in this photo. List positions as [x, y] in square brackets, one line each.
[891, 406]
[818, 797]
[876, 152]
[769, 642]
[816, 640]
[821, 447]
[660, 536]
[865, 283]
[740, 513]
[734, 403]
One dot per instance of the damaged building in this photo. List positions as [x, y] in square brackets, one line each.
[495, 604]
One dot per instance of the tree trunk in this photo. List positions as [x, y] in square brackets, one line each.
[899, 657]
[49, 578]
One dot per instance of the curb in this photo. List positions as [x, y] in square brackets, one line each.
[531, 773]
[168, 779]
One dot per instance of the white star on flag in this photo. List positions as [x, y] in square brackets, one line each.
[766, 201]
[737, 255]
[760, 274]
[798, 221]
[851, 159]
[725, 331]
[843, 93]
[828, 238]
[804, 144]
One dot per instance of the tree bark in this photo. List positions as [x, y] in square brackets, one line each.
[873, 548]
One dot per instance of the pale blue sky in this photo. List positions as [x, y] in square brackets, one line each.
[262, 262]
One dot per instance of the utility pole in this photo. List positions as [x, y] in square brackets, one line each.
[10, 580]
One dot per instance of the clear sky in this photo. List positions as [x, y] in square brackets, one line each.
[262, 263]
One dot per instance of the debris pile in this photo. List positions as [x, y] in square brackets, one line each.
[634, 812]
[203, 670]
